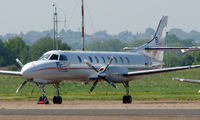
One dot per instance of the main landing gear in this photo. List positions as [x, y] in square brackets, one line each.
[127, 99]
[43, 99]
[57, 99]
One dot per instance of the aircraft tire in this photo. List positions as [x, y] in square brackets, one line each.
[45, 100]
[40, 99]
[127, 99]
[57, 100]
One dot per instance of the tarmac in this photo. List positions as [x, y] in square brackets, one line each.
[101, 110]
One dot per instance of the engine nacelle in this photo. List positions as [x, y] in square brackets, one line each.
[115, 74]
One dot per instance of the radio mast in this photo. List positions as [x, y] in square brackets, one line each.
[55, 27]
[82, 28]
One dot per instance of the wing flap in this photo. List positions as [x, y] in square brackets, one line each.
[146, 72]
[14, 73]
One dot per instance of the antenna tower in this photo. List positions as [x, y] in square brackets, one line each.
[82, 28]
[55, 27]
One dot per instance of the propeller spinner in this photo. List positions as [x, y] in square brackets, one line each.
[101, 73]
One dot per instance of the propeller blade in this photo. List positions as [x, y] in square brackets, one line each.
[90, 65]
[109, 62]
[111, 83]
[21, 86]
[32, 90]
[93, 86]
[19, 62]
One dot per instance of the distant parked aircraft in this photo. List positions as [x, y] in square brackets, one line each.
[187, 80]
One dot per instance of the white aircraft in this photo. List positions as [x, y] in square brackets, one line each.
[113, 67]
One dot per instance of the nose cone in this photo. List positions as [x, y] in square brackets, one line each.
[26, 70]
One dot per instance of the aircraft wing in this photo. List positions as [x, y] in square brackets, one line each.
[186, 80]
[14, 73]
[146, 72]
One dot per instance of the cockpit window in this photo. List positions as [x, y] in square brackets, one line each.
[44, 57]
[63, 58]
[54, 57]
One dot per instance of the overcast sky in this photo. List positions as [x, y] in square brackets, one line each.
[113, 16]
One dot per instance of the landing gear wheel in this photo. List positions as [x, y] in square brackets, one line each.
[127, 99]
[40, 99]
[43, 100]
[57, 100]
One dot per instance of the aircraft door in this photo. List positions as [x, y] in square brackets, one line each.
[63, 62]
[148, 61]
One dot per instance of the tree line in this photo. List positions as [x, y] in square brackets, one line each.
[16, 48]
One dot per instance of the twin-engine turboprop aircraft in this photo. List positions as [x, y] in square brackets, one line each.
[113, 67]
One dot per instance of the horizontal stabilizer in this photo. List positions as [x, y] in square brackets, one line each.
[173, 48]
[127, 48]
[183, 49]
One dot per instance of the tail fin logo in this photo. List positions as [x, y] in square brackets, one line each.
[157, 41]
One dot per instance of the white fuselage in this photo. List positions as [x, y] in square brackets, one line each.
[56, 66]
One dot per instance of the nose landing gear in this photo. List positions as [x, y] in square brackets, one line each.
[43, 99]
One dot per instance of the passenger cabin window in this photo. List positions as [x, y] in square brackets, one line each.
[63, 58]
[115, 60]
[79, 59]
[122, 61]
[91, 59]
[127, 60]
[103, 59]
[54, 57]
[97, 60]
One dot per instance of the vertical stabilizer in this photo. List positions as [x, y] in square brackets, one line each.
[157, 41]
[159, 37]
